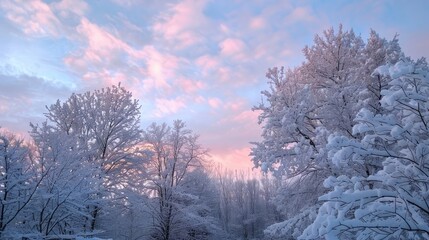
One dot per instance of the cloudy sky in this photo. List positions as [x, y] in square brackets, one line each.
[200, 61]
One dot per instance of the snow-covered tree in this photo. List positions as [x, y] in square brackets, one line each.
[333, 70]
[60, 205]
[105, 125]
[245, 207]
[127, 219]
[305, 105]
[378, 51]
[391, 203]
[18, 185]
[198, 205]
[291, 143]
[176, 152]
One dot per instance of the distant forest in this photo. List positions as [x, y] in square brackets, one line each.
[344, 155]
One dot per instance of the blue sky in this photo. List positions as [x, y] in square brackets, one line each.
[198, 60]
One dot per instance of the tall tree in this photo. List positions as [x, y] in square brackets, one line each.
[105, 125]
[175, 154]
[60, 207]
[333, 70]
[18, 185]
[306, 105]
[393, 201]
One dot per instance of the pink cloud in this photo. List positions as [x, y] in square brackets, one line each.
[232, 47]
[34, 17]
[67, 8]
[101, 44]
[214, 102]
[257, 23]
[181, 22]
[159, 65]
[160, 68]
[199, 99]
[236, 105]
[189, 86]
[246, 116]
[235, 75]
[107, 58]
[109, 77]
[100, 49]
[40, 19]
[300, 14]
[207, 62]
[166, 107]
[224, 74]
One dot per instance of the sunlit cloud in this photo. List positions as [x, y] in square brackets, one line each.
[160, 67]
[300, 14]
[233, 47]
[181, 22]
[34, 17]
[257, 23]
[246, 116]
[214, 102]
[168, 106]
[189, 86]
[109, 78]
[69, 8]
[207, 62]
[101, 47]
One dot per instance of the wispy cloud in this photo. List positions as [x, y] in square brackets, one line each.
[168, 106]
[258, 23]
[214, 102]
[70, 8]
[181, 23]
[233, 47]
[189, 86]
[34, 17]
[300, 14]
